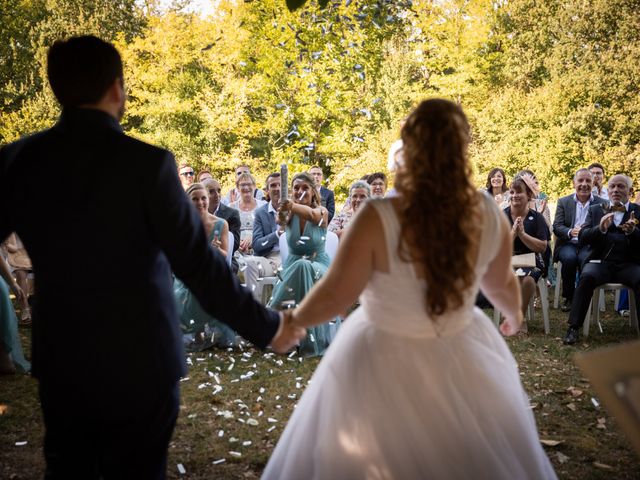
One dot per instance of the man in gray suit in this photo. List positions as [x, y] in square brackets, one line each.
[266, 238]
[571, 214]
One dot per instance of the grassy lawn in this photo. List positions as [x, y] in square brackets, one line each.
[229, 432]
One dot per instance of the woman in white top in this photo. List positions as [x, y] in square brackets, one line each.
[246, 205]
[418, 382]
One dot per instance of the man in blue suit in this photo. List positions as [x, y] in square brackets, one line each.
[106, 342]
[571, 213]
[266, 238]
[611, 230]
[328, 199]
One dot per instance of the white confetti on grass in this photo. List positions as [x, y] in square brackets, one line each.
[235, 454]
[181, 469]
[218, 462]
[21, 444]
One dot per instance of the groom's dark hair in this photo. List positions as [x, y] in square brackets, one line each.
[81, 69]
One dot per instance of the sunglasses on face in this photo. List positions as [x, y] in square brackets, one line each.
[187, 174]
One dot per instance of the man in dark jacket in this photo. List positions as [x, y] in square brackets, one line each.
[612, 233]
[107, 346]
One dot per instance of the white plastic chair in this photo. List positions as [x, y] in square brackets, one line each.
[230, 248]
[544, 300]
[331, 244]
[598, 294]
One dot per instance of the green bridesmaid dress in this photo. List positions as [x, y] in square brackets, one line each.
[306, 264]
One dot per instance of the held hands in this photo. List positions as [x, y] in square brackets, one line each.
[289, 335]
[245, 245]
[574, 232]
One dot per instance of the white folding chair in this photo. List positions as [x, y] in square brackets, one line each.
[558, 289]
[230, 248]
[598, 293]
[331, 244]
[544, 301]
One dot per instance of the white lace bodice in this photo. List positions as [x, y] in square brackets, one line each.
[394, 301]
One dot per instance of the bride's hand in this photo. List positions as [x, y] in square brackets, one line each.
[511, 325]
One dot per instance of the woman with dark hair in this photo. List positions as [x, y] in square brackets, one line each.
[530, 234]
[305, 221]
[497, 184]
[418, 382]
[378, 182]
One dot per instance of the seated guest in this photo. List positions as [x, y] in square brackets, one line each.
[231, 215]
[599, 183]
[246, 205]
[571, 213]
[194, 321]
[611, 232]
[497, 185]
[539, 200]
[187, 175]
[204, 175]
[234, 194]
[378, 183]
[530, 235]
[328, 199]
[11, 356]
[305, 220]
[20, 265]
[266, 237]
[359, 192]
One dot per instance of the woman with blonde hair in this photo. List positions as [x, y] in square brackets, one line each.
[246, 205]
[201, 330]
[418, 382]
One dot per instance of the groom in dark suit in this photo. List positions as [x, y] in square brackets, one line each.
[106, 344]
[615, 250]
[571, 214]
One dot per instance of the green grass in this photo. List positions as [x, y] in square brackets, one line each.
[590, 448]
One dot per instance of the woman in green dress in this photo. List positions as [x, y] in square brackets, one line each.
[11, 356]
[306, 229]
[201, 330]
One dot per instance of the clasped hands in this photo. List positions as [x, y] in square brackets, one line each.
[518, 227]
[289, 334]
[627, 227]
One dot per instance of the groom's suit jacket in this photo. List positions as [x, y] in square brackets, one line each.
[105, 321]
[565, 218]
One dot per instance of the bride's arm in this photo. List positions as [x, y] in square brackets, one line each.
[499, 284]
[348, 274]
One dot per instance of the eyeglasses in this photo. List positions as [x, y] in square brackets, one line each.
[241, 185]
[187, 174]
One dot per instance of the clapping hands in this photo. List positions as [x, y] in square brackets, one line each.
[518, 227]
[511, 326]
[289, 335]
[630, 225]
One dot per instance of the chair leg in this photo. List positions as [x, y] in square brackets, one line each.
[600, 300]
[496, 317]
[587, 320]
[633, 311]
[531, 309]
[556, 295]
[601, 305]
[616, 302]
[544, 299]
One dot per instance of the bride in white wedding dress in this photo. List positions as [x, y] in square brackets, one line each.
[418, 382]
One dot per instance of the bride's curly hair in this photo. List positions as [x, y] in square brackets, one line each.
[438, 212]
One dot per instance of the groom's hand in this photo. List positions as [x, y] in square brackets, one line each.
[288, 335]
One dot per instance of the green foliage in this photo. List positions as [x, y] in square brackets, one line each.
[549, 85]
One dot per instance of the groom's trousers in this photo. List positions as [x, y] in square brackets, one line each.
[98, 440]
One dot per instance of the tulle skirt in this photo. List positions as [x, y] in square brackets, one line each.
[387, 406]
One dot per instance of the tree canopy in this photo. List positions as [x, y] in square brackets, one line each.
[547, 85]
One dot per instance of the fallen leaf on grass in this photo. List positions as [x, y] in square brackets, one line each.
[603, 466]
[571, 406]
[576, 392]
[551, 443]
[3, 409]
[562, 458]
[602, 423]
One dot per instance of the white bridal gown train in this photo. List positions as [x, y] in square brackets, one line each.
[401, 396]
